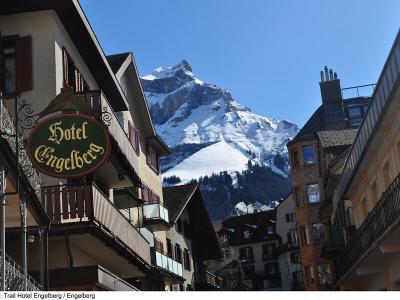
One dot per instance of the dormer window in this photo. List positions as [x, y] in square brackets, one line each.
[247, 234]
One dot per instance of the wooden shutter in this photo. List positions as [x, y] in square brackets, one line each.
[23, 64]
[137, 142]
[130, 132]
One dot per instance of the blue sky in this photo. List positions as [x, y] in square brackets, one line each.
[267, 53]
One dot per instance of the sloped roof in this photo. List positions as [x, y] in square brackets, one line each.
[335, 138]
[204, 239]
[116, 60]
[257, 223]
[314, 124]
[176, 198]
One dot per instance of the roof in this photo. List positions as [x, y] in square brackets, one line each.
[176, 198]
[123, 64]
[317, 120]
[314, 124]
[335, 138]
[116, 60]
[257, 223]
[203, 237]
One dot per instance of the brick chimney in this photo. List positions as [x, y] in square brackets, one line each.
[332, 101]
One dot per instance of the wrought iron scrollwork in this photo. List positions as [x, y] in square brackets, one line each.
[106, 116]
[27, 119]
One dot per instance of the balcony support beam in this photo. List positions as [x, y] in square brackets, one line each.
[3, 227]
[23, 239]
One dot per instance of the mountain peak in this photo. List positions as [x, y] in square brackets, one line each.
[183, 64]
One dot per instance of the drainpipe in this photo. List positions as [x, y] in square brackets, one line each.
[23, 239]
[3, 227]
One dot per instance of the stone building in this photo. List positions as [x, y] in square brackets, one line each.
[310, 155]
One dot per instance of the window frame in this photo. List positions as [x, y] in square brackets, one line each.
[313, 153]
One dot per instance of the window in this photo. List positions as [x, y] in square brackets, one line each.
[246, 234]
[318, 233]
[290, 217]
[386, 175]
[295, 159]
[158, 245]
[313, 193]
[292, 238]
[148, 196]
[186, 229]
[324, 274]
[178, 225]
[270, 229]
[310, 276]
[186, 259]
[355, 112]
[152, 158]
[304, 235]
[297, 278]
[374, 192]
[133, 134]
[269, 251]
[17, 55]
[271, 268]
[178, 253]
[246, 253]
[169, 248]
[364, 207]
[295, 258]
[308, 155]
[227, 254]
[249, 270]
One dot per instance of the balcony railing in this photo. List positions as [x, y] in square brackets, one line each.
[80, 203]
[15, 277]
[156, 215]
[384, 217]
[163, 261]
[207, 278]
[9, 133]
[104, 112]
[380, 98]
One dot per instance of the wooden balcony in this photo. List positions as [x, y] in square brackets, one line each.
[87, 204]
[379, 225]
[205, 280]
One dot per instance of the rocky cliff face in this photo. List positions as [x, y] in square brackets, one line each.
[209, 131]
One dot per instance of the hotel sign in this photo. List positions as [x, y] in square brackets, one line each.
[68, 145]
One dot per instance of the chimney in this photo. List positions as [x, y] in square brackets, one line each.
[332, 102]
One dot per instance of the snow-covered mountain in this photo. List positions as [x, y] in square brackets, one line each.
[208, 130]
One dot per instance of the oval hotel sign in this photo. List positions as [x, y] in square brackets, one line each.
[68, 145]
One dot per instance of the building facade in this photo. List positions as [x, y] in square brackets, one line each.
[365, 202]
[289, 254]
[107, 225]
[310, 156]
[250, 252]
